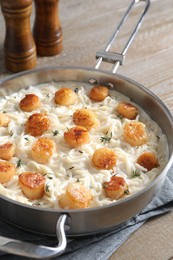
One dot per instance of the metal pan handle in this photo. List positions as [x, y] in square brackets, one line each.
[16, 247]
[117, 58]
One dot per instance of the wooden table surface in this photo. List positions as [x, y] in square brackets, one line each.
[87, 25]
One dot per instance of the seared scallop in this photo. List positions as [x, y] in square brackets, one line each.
[135, 133]
[30, 102]
[127, 110]
[4, 119]
[37, 124]
[77, 136]
[7, 171]
[7, 151]
[148, 160]
[65, 97]
[32, 185]
[77, 196]
[99, 93]
[86, 118]
[115, 188]
[104, 158]
[42, 150]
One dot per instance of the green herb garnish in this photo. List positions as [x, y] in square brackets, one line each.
[71, 168]
[126, 192]
[106, 138]
[47, 188]
[19, 163]
[56, 132]
[135, 174]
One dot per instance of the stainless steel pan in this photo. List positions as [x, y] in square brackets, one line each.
[91, 220]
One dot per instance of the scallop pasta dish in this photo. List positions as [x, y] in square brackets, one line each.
[67, 145]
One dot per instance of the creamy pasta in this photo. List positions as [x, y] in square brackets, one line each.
[71, 165]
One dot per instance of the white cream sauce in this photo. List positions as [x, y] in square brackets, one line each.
[71, 165]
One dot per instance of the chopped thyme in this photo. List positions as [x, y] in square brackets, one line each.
[71, 168]
[78, 180]
[106, 138]
[56, 132]
[19, 163]
[4, 112]
[120, 116]
[80, 151]
[26, 138]
[135, 174]
[11, 133]
[126, 192]
[47, 188]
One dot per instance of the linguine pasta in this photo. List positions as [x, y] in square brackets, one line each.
[71, 165]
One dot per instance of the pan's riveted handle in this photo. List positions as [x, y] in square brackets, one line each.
[117, 58]
[16, 247]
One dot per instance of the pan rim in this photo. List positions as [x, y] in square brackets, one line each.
[112, 204]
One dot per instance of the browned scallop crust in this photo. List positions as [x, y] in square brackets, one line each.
[86, 118]
[7, 151]
[7, 171]
[115, 188]
[99, 93]
[4, 119]
[135, 133]
[77, 196]
[37, 124]
[77, 136]
[127, 110]
[30, 102]
[42, 149]
[104, 158]
[32, 185]
[148, 160]
[65, 97]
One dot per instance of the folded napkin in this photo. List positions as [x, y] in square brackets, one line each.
[98, 247]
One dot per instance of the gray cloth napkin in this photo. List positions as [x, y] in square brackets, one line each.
[98, 247]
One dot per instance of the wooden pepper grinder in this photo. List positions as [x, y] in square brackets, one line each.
[47, 30]
[19, 46]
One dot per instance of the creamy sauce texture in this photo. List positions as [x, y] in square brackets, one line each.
[71, 165]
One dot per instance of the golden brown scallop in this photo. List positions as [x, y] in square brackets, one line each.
[148, 160]
[86, 118]
[32, 185]
[127, 110]
[77, 196]
[42, 150]
[65, 97]
[7, 151]
[30, 102]
[7, 171]
[99, 93]
[37, 124]
[104, 158]
[4, 119]
[135, 133]
[77, 136]
[115, 188]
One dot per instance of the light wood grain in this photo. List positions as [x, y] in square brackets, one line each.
[86, 26]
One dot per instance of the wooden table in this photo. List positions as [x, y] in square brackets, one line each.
[87, 25]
